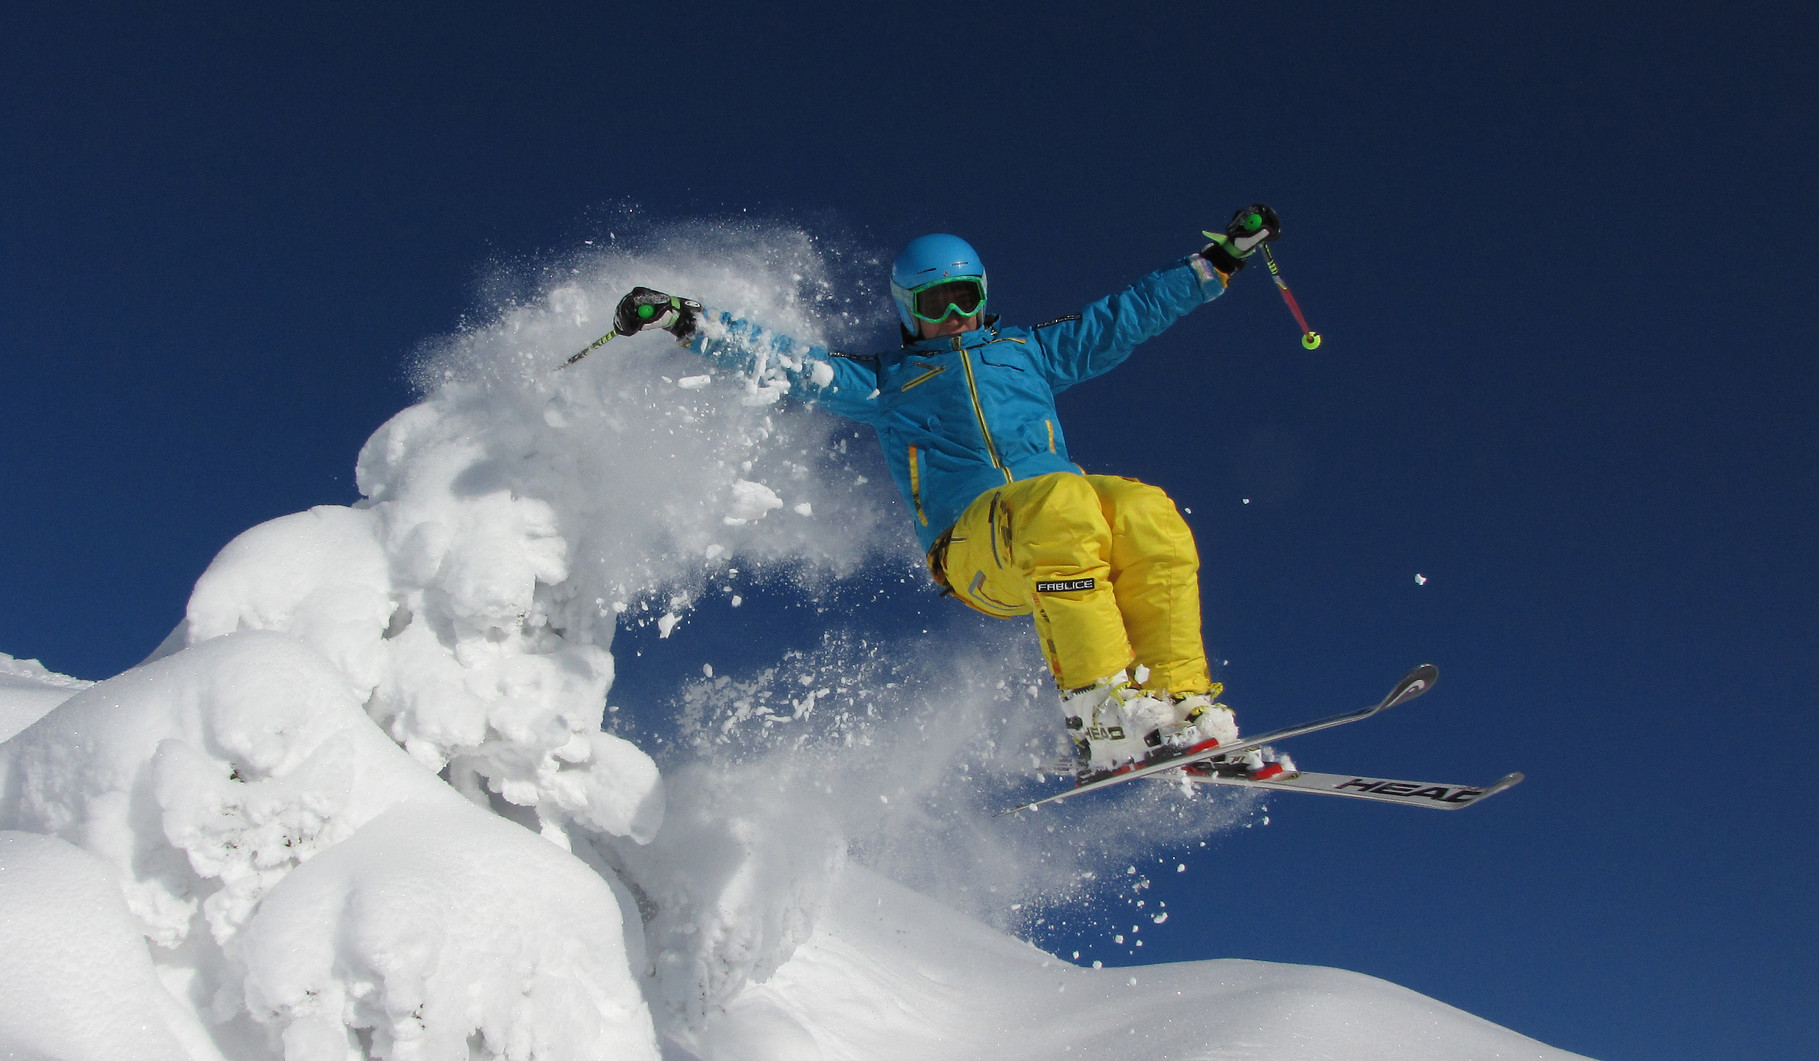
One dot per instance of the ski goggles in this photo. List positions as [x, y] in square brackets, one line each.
[942, 299]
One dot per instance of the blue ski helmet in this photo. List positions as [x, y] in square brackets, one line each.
[928, 261]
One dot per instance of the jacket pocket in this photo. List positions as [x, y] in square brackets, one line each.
[999, 356]
[929, 372]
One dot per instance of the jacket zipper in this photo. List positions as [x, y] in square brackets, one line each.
[985, 431]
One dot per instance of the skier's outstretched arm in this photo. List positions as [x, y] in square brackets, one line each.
[1103, 334]
[841, 383]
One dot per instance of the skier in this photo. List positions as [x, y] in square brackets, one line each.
[965, 411]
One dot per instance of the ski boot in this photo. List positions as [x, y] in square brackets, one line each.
[1114, 726]
[1201, 721]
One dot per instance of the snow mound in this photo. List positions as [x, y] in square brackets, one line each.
[890, 975]
[307, 884]
[75, 978]
[495, 943]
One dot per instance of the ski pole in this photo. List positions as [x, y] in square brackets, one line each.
[1310, 339]
[595, 345]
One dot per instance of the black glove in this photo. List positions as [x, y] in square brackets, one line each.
[1249, 228]
[644, 308]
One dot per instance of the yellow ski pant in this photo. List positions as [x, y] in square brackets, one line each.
[1106, 565]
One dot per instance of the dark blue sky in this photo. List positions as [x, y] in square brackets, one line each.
[1560, 257]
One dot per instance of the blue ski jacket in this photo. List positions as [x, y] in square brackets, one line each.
[963, 414]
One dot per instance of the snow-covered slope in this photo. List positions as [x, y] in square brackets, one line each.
[370, 798]
[892, 975]
[28, 692]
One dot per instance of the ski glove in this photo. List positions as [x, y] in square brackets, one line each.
[644, 308]
[1249, 228]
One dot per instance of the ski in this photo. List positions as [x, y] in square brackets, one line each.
[1354, 786]
[1413, 684]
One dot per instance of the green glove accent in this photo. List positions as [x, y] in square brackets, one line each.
[1250, 227]
[645, 308]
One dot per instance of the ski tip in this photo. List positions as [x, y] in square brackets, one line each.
[1413, 684]
[1504, 783]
